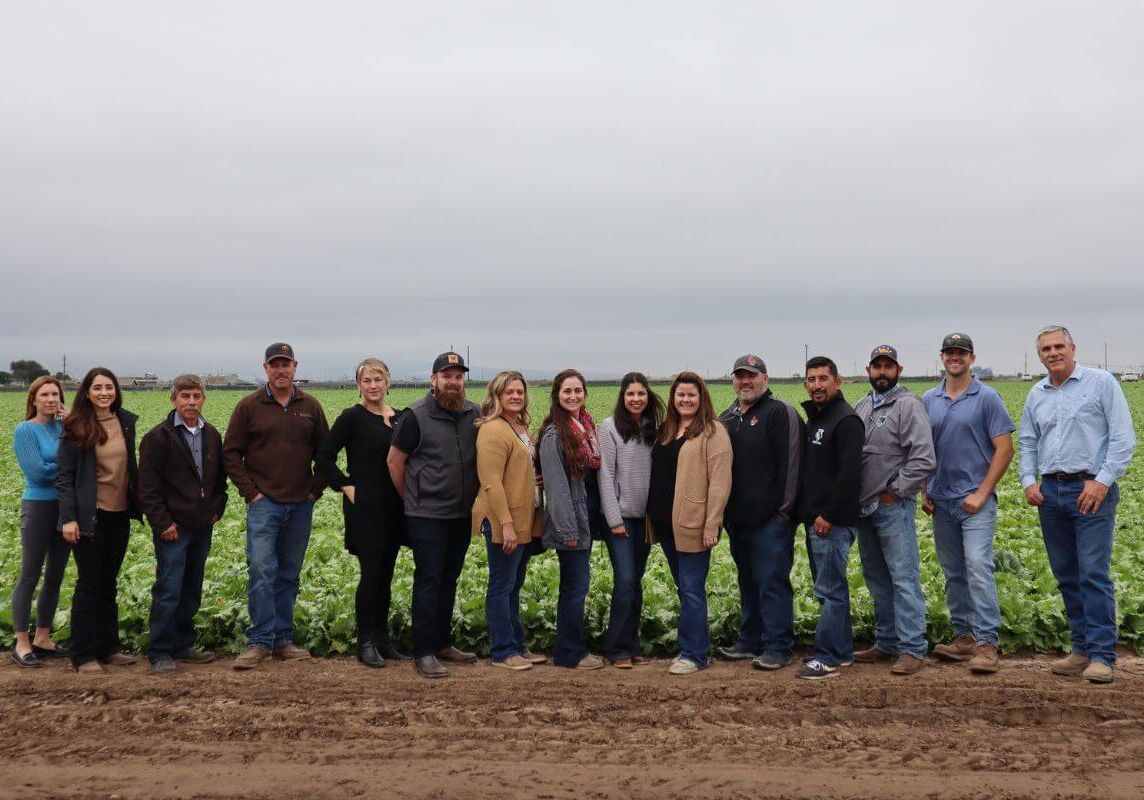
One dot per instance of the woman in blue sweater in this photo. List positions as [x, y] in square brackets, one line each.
[36, 442]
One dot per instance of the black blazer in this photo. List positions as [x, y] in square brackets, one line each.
[170, 490]
[76, 479]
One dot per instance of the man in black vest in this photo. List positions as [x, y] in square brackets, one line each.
[828, 506]
[766, 437]
[182, 489]
[433, 463]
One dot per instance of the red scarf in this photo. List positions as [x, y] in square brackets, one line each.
[589, 444]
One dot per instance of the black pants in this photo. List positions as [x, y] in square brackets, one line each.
[439, 547]
[371, 602]
[95, 612]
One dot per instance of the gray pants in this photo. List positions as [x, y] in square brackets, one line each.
[39, 540]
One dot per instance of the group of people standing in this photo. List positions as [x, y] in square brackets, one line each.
[443, 471]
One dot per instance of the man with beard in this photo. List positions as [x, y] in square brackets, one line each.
[896, 459]
[1076, 434]
[433, 464]
[766, 440]
[269, 449]
[973, 439]
[828, 506]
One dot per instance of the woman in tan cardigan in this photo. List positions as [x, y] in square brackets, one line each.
[505, 513]
[690, 484]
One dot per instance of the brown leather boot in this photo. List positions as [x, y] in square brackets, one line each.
[906, 664]
[962, 648]
[986, 660]
[1072, 664]
[872, 654]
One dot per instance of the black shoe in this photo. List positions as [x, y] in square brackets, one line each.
[193, 656]
[429, 667]
[368, 655]
[163, 665]
[735, 653]
[387, 651]
[772, 661]
[29, 661]
[59, 651]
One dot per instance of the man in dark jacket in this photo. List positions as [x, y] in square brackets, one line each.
[182, 490]
[766, 437]
[271, 441]
[433, 464]
[828, 507]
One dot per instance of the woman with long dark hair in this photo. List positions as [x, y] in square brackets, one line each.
[568, 450]
[626, 440]
[505, 512]
[36, 441]
[95, 479]
[374, 516]
[689, 487]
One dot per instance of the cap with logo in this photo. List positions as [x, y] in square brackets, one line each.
[449, 361]
[959, 341]
[751, 363]
[279, 350]
[884, 351]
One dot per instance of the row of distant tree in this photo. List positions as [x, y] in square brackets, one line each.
[26, 371]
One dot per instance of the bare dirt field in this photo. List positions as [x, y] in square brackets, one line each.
[333, 729]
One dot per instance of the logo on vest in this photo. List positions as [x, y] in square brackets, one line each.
[881, 421]
[818, 434]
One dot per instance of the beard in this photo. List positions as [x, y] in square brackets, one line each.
[449, 399]
[883, 384]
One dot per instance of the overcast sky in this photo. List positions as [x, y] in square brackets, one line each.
[609, 186]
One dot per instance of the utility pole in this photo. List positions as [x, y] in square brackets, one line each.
[805, 353]
[64, 368]
[1106, 356]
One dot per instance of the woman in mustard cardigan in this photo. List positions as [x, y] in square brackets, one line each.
[505, 513]
[690, 484]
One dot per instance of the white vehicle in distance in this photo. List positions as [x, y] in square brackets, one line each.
[1126, 377]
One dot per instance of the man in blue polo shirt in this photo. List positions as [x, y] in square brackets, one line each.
[973, 438]
[1076, 435]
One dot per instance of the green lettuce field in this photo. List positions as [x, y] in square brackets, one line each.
[1032, 613]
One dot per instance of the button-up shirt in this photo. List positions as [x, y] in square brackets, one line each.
[963, 433]
[1083, 425]
[193, 438]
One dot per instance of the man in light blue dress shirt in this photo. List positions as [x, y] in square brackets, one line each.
[1076, 438]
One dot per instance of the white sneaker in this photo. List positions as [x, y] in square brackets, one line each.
[682, 666]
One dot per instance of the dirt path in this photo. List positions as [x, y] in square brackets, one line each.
[332, 729]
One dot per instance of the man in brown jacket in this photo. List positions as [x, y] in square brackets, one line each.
[273, 436]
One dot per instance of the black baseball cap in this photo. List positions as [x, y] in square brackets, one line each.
[449, 360]
[958, 341]
[751, 363]
[279, 350]
[884, 351]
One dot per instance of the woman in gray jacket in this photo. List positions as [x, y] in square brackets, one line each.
[568, 450]
[626, 440]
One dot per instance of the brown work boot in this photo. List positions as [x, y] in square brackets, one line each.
[986, 660]
[1072, 664]
[906, 664]
[871, 655]
[120, 659]
[1098, 672]
[290, 652]
[962, 648]
[251, 657]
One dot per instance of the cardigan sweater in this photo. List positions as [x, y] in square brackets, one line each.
[507, 483]
[702, 487]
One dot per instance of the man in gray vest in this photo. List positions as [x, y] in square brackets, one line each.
[433, 463]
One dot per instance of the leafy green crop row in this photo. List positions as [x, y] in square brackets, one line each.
[1032, 613]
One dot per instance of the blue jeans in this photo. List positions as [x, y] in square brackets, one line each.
[628, 555]
[177, 591]
[570, 647]
[690, 573]
[1080, 552]
[276, 538]
[829, 556]
[439, 548]
[888, 545]
[964, 544]
[502, 600]
[764, 556]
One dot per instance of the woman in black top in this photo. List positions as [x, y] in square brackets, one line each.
[375, 522]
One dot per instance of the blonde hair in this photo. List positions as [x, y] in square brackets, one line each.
[491, 407]
[371, 363]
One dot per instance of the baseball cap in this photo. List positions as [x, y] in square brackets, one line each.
[958, 340]
[751, 363]
[886, 351]
[449, 360]
[279, 350]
